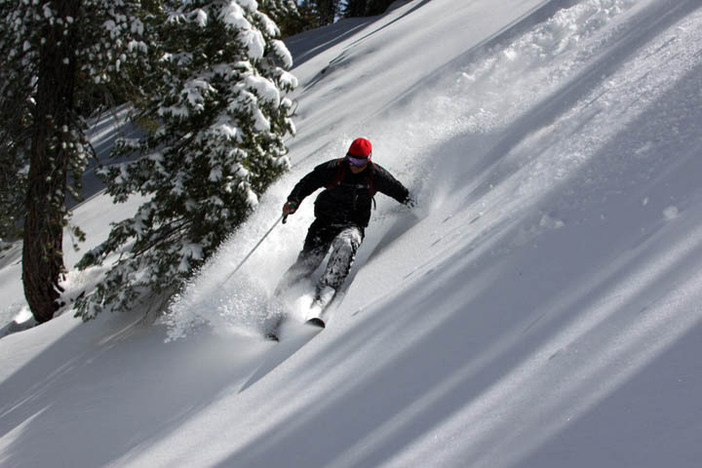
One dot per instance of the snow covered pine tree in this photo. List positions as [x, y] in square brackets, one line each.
[218, 100]
[61, 60]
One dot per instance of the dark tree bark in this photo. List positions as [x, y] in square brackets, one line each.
[42, 258]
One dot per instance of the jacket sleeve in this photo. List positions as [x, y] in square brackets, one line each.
[387, 184]
[321, 176]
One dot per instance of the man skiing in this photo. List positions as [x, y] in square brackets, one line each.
[342, 212]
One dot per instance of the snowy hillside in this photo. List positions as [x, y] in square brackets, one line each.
[541, 307]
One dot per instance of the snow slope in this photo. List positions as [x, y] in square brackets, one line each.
[540, 308]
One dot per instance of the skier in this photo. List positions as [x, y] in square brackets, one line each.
[342, 212]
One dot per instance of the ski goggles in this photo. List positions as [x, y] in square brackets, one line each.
[357, 161]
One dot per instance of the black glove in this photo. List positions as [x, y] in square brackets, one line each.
[289, 208]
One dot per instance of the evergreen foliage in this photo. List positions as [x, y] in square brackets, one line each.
[17, 82]
[13, 181]
[308, 18]
[60, 58]
[217, 96]
[355, 8]
[327, 11]
[15, 123]
[285, 14]
[317, 13]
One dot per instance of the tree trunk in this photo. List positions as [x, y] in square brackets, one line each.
[42, 257]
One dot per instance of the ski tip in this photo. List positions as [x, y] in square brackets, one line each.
[316, 322]
[271, 336]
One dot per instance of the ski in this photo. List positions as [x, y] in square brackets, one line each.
[316, 322]
[312, 313]
[319, 307]
[272, 336]
[272, 328]
[295, 335]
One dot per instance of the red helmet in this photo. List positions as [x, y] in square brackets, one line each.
[360, 148]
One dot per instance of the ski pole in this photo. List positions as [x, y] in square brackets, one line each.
[284, 219]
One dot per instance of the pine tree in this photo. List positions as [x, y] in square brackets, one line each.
[218, 101]
[60, 55]
[16, 113]
[17, 81]
[309, 19]
[355, 8]
[327, 10]
[12, 188]
[284, 14]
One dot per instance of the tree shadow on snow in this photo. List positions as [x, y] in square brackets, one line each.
[112, 386]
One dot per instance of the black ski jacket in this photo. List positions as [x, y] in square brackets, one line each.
[348, 197]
